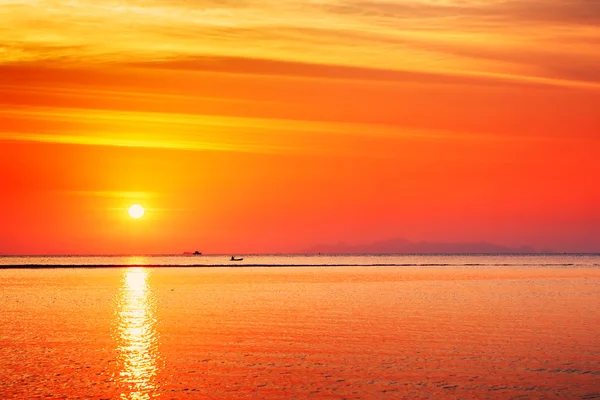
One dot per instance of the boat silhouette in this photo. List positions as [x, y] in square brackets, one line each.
[236, 259]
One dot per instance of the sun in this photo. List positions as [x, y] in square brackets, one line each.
[136, 211]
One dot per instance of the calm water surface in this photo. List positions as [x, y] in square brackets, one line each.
[517, 331]
[313, 260]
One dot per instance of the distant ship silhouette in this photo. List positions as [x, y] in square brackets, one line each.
[196, 253]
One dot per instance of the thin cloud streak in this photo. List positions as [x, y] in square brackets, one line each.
[196, 132]
[250, 66]
[114, 194]
[572, 12]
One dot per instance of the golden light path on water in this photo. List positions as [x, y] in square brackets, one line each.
[137, 337]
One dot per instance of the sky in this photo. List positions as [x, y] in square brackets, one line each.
[275, 126]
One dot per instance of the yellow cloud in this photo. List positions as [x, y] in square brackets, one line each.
[495, 38]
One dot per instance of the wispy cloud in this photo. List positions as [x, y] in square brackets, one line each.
[564, 12]
[239, 65]
[115, 194]
[195, 132]
[525, 39]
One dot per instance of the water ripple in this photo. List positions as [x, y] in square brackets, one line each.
[137, 337]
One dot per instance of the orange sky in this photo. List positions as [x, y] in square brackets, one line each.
[270, 126]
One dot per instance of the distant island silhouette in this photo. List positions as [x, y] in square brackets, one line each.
[399, 245]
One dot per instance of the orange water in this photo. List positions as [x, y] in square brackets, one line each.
[349, 332]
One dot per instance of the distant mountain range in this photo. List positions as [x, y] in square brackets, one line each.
[405, 246]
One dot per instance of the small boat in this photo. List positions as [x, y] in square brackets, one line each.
[236, 259]
[196, 253]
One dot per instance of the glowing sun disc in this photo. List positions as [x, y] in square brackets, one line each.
[136, 211]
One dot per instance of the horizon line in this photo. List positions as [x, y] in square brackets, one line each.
[295, 254]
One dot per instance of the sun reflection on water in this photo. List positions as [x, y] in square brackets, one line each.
[137, 260]
[137, 337]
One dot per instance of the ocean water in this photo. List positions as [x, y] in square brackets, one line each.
[414, 327]
[311, 260]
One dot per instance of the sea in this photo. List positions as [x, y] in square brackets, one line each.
[278, 260]
[523, 326]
